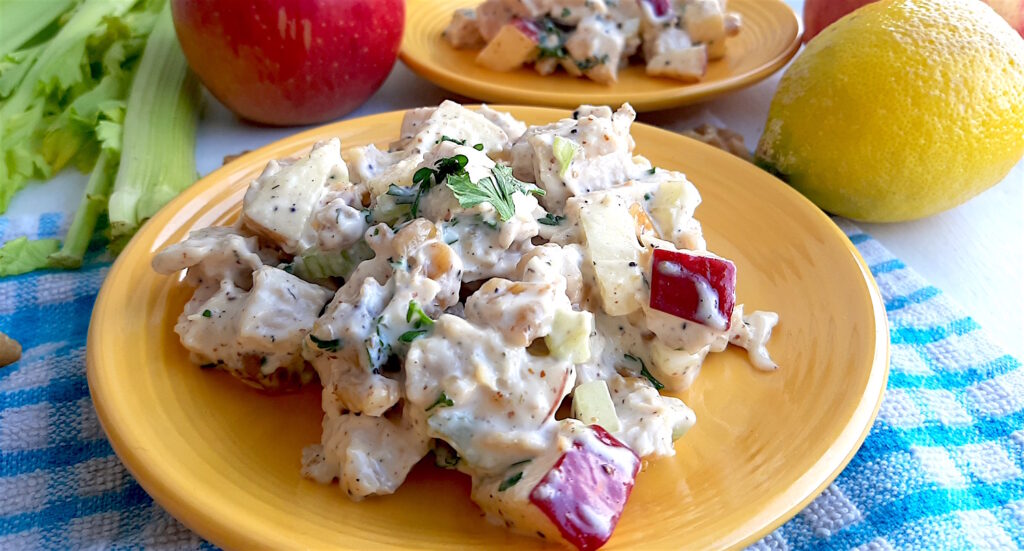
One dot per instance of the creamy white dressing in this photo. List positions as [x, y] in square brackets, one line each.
[465, 331]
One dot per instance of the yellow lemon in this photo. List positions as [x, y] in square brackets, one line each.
[899, 110]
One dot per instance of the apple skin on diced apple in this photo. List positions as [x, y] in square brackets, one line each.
[695, 287]
[528, 28]
[659, 7]
[584, 493]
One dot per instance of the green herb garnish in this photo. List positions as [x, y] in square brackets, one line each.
[652, 170]
[443, 401]
[450, 139]
[377, 349]
[552, 41]
[414, 312]
[328, 345]
[410, 336]
[647, 374]
[496, 190]
[207, 313]
[479, 147]
[510, 481]
[591, 62]
[514, 479]
[551, 219]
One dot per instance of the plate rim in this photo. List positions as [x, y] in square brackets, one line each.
[176, 500]
[649, 101]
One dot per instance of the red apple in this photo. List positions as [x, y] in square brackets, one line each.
[585, 491]
[819, 14]
[695, 287]
[289, 62]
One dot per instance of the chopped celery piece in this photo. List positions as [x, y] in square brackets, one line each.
[592, 404]
[158, 156]
[682, 427]
[24, 19]
[314, 265]
[570, 335]
[20, 255]
[564, 150]
[94, 202]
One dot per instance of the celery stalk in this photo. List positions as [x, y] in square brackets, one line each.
[60, 62]
[50, 71]
[23, 19]
[158, 148]
[94, 202]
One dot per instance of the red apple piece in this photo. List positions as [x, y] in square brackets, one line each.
[695, 287]
[584, 493]
[659, 7]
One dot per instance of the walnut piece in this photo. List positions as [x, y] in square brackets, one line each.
[722, 138]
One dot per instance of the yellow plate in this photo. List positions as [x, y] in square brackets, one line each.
[225, 459]
[768, 40]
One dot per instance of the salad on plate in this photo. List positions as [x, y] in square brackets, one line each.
[511, 300]
[596, 38]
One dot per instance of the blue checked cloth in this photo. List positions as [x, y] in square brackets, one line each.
[943, 466]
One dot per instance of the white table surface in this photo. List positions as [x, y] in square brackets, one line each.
[975, 252]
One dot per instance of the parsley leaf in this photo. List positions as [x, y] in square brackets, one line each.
[207, 313]
[450, 139]
[591, 62]
[496, 190]
[510, 481]
[443, 401]
[410, 336]
[551, 43]
[551, 219]
[415, 312]
[514, 479]
[328, 345]
[647, 374]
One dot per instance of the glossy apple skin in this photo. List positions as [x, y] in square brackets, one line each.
[290, 62]
[590, 489]
[819, 14]
[676, 292]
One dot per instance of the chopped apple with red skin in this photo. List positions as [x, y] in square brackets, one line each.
[659, 7]
[695, 287]
[584, 493]
[514, 45]
[528, 28]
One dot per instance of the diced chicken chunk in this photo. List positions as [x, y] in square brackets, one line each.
[596, 46]
[491, 16]
[462, 381]
[280, 203]
[214, 254]
[255, 335]
[368, 455]
[521, 311]
[650, 422]
[687, 65]
[463, 31]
